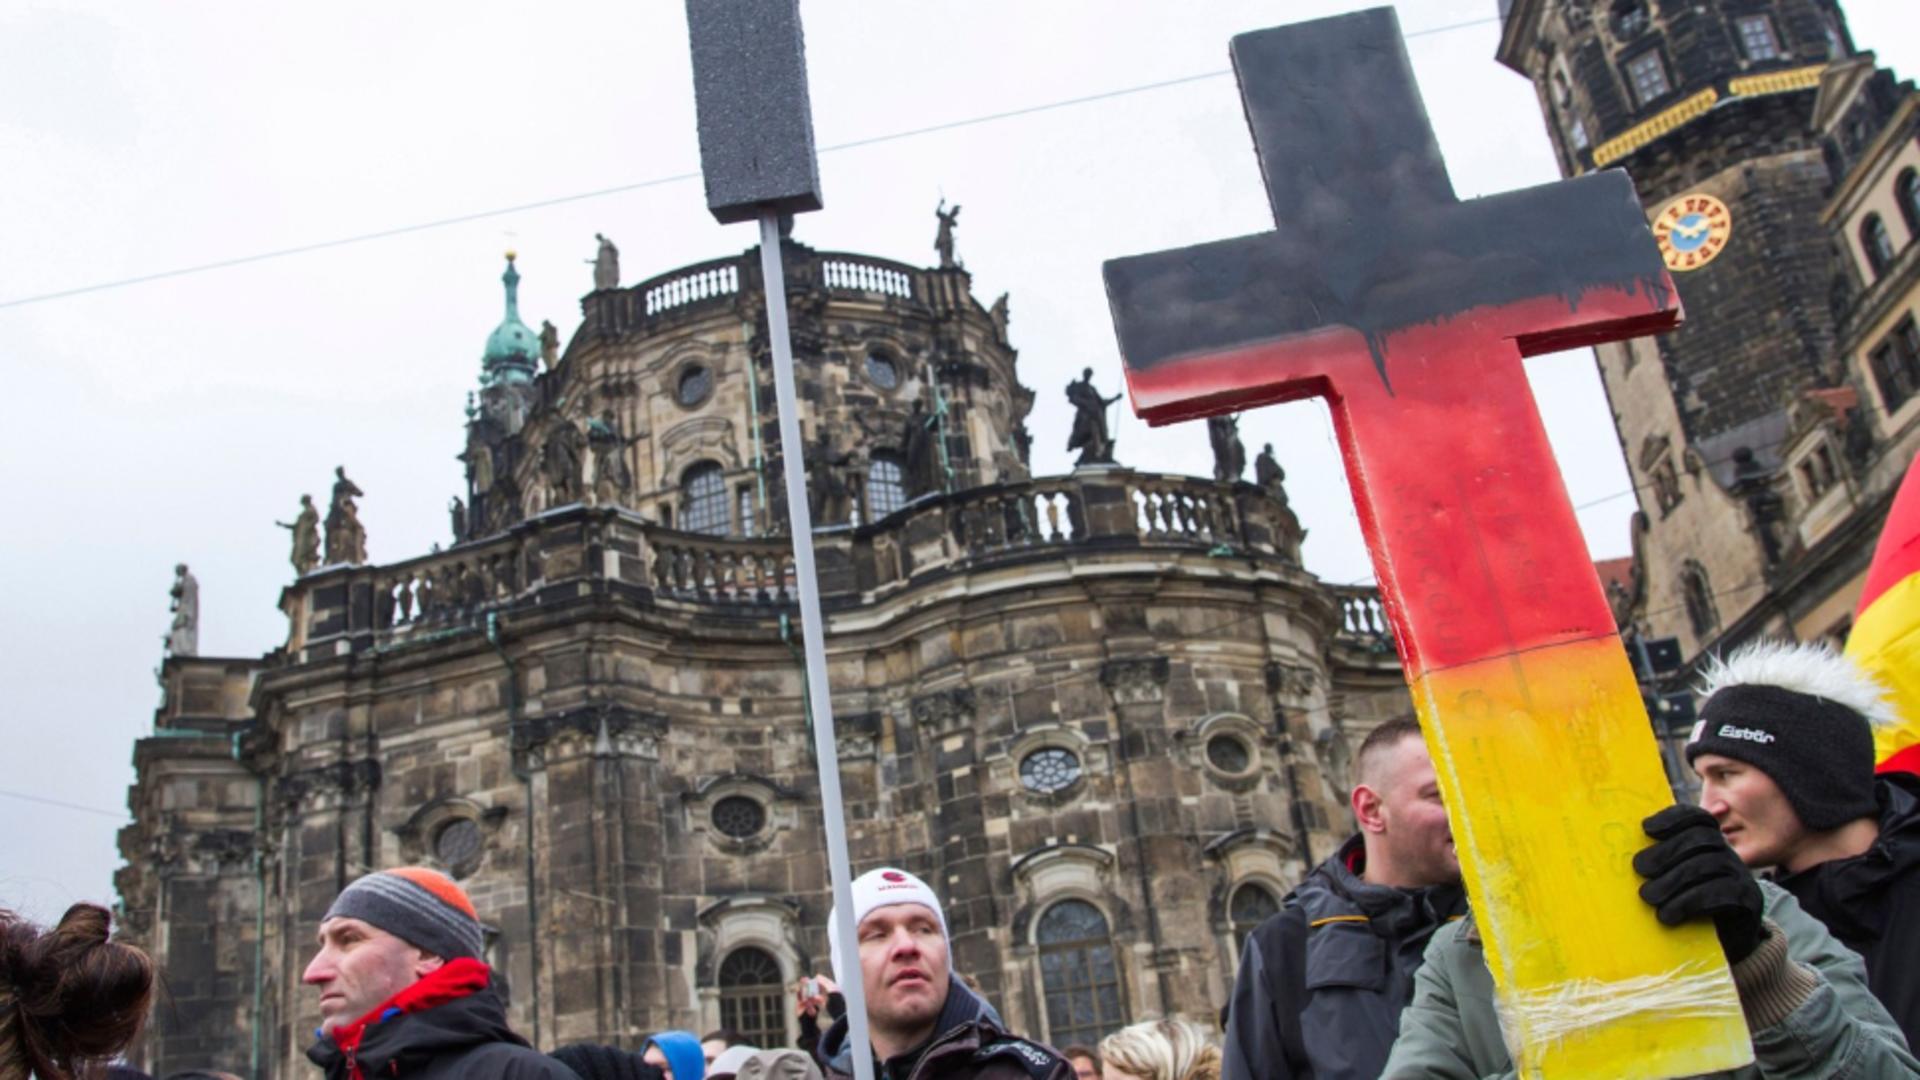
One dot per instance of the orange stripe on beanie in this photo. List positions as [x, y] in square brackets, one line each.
[421, 907]
[439, 885]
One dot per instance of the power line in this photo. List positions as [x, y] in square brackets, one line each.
[23, 796]
[658, 181]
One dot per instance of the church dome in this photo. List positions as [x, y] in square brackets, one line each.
[513, 350]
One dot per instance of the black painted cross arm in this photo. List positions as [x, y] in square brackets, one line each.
[1371, 239]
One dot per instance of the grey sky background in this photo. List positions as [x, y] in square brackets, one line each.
[176, 420]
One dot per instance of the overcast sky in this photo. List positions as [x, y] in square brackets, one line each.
[175, 420]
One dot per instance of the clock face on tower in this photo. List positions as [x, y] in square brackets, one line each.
[1691, 230]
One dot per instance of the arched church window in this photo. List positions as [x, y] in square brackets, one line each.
[886, 486]
[703, 500]
[1079, 974]
[1906, 192]
[753, 997]
[1696, 592]
[1252, 904]
[1877, 245]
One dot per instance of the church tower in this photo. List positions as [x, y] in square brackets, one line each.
[1712, 106]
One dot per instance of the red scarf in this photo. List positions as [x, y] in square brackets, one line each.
[450, 981]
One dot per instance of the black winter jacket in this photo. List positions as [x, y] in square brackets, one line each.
[968, 1043]
[448, 1026]
[1322, 984]
[1870, 901]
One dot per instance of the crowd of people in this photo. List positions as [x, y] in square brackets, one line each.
[1372, 968]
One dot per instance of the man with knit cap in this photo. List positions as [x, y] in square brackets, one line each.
[923, 1021]
[1784, 751]
[403, 992]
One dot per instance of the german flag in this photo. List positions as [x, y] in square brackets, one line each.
[1886, 629]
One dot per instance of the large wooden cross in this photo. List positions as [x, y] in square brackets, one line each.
[1410, 311]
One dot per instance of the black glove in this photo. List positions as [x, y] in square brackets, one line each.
[1691, 872]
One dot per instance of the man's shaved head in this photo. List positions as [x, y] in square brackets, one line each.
[1375, 750]
[1396, 802]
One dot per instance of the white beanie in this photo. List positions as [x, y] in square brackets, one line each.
[877, 889]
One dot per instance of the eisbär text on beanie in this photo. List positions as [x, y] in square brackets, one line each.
[421, 907]
[877, 889]
[1819, 752]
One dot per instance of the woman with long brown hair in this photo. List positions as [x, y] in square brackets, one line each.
[70, 998]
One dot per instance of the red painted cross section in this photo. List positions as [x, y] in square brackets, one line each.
[1410, 311]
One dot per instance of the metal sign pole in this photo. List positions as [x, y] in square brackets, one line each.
[813, 640]
[758, 159]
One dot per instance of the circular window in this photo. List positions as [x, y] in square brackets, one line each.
[1049, 770]
[1228, 754]
[457, 845]
[696, 383]
[739, 817]
[882, 371]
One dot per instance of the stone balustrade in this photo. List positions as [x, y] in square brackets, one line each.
[717, 280]
[734, 282]
[859, 273]
[576, 552]
[1363, 617]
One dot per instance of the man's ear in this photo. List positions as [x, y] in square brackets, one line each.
[427, 964]
[1368, 812]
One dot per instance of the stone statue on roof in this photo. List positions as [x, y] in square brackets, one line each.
[1229, 453]
[306, 537]
[611, 477]
[606, 265]
[1090, 435]
[998, 313]
[346, 538]
[183, 638]
[920, 464]
[549, 344]
[560, 463]
[943, 241]
[830, 499]
[1269, 475]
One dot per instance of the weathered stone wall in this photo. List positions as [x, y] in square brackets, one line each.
[626, 720]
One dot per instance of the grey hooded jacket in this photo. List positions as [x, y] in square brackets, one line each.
[1805, 997]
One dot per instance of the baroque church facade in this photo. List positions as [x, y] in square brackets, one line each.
[1106, 714]
[1777, 164]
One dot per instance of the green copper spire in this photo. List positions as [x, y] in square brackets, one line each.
[513, 351]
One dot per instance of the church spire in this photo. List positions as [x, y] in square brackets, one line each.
[513, 351]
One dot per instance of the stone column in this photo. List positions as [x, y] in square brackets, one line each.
[598, 874]
[944, 721]
[1137, 687]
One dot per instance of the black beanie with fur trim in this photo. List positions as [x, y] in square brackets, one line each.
[1818, 751]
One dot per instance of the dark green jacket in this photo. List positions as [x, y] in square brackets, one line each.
[1832, 1028]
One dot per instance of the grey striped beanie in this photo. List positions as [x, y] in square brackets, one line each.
[421, 907]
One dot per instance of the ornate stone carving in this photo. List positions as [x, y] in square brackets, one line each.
[602, 730]
[1135, 680]
[327, 782]
[945, 711]
[223, 849]
[699, 438]
[1291, 680]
